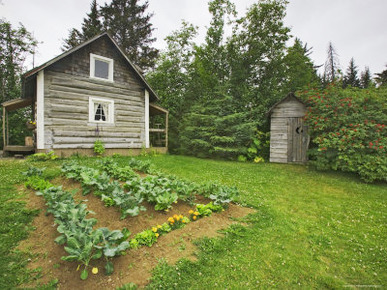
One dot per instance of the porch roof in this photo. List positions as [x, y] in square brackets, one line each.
[15, 104]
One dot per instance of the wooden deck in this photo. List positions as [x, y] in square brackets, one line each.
[16, 148]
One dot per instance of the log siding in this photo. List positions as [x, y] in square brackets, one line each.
[67, 89]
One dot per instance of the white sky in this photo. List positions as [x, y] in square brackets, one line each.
[357, 28]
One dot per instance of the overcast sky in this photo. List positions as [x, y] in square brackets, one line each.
[357, 28]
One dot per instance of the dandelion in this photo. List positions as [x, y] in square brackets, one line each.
[94, 270]
[154, 229]
[157, 235]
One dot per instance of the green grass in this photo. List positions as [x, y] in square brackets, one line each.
[311, 229]
[15, 220]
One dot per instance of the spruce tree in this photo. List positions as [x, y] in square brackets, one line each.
[381, 78]
[128, 23]
[91, 26]
[365, 78]
[351, 78]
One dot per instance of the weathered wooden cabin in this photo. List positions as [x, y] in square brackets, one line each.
[90, 92]
[289, 138]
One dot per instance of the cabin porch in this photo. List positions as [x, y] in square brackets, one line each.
[29, 146]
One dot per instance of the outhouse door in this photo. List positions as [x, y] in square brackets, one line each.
[297, 140]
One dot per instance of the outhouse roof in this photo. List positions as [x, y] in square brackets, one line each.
[34, 71]
[290, 96]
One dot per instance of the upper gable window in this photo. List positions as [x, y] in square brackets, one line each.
[101, 67]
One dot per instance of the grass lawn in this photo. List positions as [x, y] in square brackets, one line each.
[311, 229]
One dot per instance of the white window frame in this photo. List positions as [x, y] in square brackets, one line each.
[93, 58]
[109, 113]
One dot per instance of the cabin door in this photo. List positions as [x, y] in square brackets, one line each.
[297, 140]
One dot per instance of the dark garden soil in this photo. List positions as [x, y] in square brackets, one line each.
[136, 265]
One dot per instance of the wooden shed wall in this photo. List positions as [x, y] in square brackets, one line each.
[66, 100]
[279, 128]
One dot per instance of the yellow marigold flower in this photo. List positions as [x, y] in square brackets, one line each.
[194, 217]
[171, 219]
[175, 216]
[157, 235]
[196, 213]
[154, 229]
[191, 211]
[183, 221]
[159, 227]
[94, 270]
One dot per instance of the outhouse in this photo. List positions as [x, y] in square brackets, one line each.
[289, 138]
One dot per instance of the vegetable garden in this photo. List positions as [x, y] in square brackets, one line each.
[121, 189]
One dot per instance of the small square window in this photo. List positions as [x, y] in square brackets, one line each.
[101, 67]
[101, 110]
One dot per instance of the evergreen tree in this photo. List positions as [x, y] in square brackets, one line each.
[127, 22]
[365, 78]
[331, 68]
[300, 70]
[381, 78]
[91, 26]
[351, 78]
[214, 129]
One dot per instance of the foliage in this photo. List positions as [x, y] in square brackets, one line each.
[300, 70]
[37, 183]
[99, 147]
[351, 78]
[111, 192]
[218, 92]
[129, 25]
[82, 242]
[348, 131]
[259, 148]
[42, 157]
[91, 27]
[32, 170]
[381, 78]
[215, 130]
[16, 44]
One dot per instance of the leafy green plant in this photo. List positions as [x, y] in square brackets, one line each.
[32, 170]
[99, 147]
[37, 182]
[146, 238]
[42, 156]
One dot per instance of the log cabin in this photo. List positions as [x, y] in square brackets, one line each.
[91, 92]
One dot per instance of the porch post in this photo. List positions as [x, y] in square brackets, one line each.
[4, 130]
[147, 143]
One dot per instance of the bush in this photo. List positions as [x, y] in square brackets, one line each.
[348, 130]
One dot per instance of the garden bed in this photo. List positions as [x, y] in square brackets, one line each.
[136, 264]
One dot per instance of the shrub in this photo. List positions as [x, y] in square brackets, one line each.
[99, 147]
[348, 130]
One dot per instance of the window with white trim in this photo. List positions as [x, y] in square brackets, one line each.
[101, 67]
[101, 110]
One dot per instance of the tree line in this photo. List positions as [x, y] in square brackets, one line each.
[217, 92]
